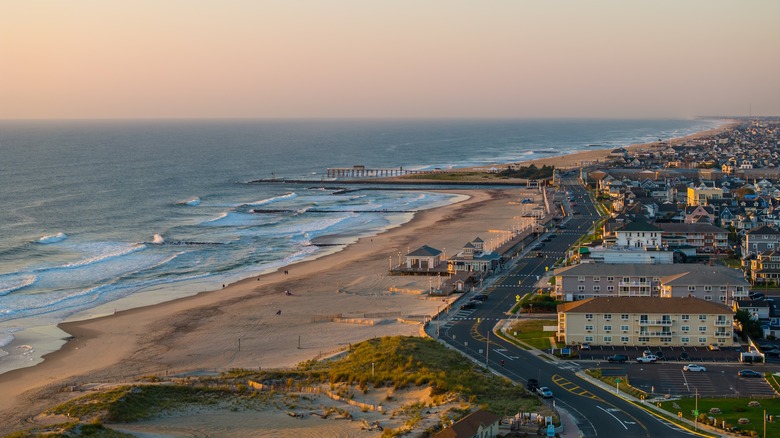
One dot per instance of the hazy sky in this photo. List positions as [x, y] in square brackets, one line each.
[399, 58]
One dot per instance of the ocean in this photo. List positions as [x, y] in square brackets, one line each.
[97, 214]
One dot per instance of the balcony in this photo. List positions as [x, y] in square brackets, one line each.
[635, 283]
[656, 334]
[664, 322]
[724, 323]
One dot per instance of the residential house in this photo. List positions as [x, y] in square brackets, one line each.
[638, 234]
[705, 237]
[765, 268]
[760, 239]
[479, 424]
[645, 321]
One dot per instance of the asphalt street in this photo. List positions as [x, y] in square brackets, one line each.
[597, 412]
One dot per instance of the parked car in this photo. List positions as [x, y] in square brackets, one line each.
[694, 368]
[544, 391]
[469, 305]
[684, 356]
[537, 247]
[647, 353]
[532, 384]
[650, 358]
[585, 346]
[620, 358]
[481, 297]
[713, 347]
[749, 373]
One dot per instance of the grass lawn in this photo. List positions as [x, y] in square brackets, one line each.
[731, 410]
[531, 332]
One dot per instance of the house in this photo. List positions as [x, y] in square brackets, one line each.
[645, 321]
[479, 424]
[760, 239]
[472, 257]
[700, 194]
[638, 234]
[423, 258]
[758, 309]
[765, 267]
[710, 283]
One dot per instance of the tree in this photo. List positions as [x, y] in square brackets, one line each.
[750, 326]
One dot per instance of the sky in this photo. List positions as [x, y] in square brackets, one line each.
[388, 59]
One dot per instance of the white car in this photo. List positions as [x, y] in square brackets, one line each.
[694, 367]
[544, 391]
[650, 358]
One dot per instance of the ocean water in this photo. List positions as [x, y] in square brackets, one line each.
[97, 211]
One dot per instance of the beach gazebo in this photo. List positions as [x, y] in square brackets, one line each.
[423, 258]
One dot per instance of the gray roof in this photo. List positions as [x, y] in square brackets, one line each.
[702, 274]
[639, 226]
[691, 228]
[424, 251]
[763, 229]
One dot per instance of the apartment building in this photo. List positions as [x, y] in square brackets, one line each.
[645, 321]
[709, 283]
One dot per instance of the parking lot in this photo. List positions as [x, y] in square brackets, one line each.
[670, 379]
[682, 354]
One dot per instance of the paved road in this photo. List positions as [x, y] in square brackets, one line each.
[596, 412]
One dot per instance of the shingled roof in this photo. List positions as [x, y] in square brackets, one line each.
[645, 305]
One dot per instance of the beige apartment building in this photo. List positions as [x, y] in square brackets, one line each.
[645, 321]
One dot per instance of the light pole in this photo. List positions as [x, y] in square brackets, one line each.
[391, 263]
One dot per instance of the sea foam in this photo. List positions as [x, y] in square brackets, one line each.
[53, 238]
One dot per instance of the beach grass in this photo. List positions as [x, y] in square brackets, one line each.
[396, 362]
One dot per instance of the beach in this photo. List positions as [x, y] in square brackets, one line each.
[254, 324]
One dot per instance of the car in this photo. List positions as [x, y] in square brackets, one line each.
[713, 347]
[532, 384]
[544, 392]
[561, 227]
[775, 352]
[650, 358]
[480, 297]
[694, 368]
[585, 346]
[469, 305]
[647, 353]
[537, 247]
[618, 358]
[684, 356]
[749, 373]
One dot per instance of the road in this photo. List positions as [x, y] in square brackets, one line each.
[596, 411]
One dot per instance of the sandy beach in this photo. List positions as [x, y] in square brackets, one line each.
[254, 324]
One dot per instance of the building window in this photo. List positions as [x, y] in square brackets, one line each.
[581, 287]
[685, 340]
[626, 279]
[708, 298]
[624, 317]
[644, 339]
[702, 328]
[590, 328]
[685, 328]
[610, 288]
[691, 288]
[685, 317]
[703, 340]
[588, 338]
[580, 297]
[607, 339]
[702, 317]
[610, 278]
[707, 288]
[589, 316]
[596, 279]
[581, 278]
[624, 339]
[607, 316]
[722, 298]
[596, 288]
[723, 288]
[607, 328]
[624, 328]
[666, 339]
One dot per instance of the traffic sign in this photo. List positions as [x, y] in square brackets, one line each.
[517, 298]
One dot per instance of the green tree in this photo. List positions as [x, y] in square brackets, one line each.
[750, 326]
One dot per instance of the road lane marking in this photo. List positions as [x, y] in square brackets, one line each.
[613, 416]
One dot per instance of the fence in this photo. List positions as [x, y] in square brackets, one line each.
[314, 390]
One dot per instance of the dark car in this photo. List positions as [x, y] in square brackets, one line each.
[537, 247]
[684, 356]
[620, 358]
[532, 384]
[749, 373]
[469, 305]
[481, 297]
[561, 227]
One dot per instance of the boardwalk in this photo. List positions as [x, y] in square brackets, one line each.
[363, 171]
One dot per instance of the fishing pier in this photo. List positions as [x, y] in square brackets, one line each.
[362, 171]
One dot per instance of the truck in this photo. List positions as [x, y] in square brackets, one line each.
[650, 358]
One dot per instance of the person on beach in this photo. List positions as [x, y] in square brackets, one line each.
[278, 312]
